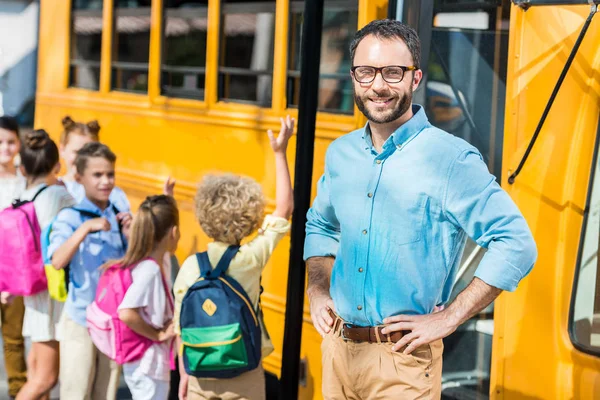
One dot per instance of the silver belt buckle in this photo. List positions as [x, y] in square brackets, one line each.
[343, 331]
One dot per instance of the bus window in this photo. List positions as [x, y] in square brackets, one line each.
[246, 51]
[585, 315]
[340, 21]
[131, 45]
[184, 48]
[466, 84]
[86, 44]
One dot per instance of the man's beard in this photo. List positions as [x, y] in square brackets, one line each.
[402, 106]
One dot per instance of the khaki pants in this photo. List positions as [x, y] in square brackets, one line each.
[370, 371]
[14, 345]
[248, 386]
[85, 373]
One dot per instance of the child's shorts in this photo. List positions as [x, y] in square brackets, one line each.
[248, 386]
[143, 387]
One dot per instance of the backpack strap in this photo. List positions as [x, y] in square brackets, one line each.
[39, 192]
[91, 214]
[204, 264]
[18, 202]
[206, 270]
[225, 261]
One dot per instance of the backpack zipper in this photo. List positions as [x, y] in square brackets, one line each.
[211, 344]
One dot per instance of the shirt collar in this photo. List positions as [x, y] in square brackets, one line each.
[404, 133]
[87, 205]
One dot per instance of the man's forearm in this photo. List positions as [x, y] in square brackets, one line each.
[474, 298]
[319, 275]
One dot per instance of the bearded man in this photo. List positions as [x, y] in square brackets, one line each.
[386, 232]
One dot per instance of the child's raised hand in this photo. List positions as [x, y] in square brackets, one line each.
[279, 143]
[96, 225]
[169, 186]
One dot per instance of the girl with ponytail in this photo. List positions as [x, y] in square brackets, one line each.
[147, 307]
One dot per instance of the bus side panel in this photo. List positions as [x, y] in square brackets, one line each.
[533, 356]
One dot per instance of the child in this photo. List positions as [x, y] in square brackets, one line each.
[86, 243]
[74, 137]
[229, 208]
[39, 158]
[148, 306]
[12, 184]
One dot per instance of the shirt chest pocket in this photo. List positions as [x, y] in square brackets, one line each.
[403, 218]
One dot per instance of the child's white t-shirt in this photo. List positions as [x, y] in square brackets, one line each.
[147, 292]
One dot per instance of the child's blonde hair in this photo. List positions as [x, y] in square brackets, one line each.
[154, 220]
[91, 130]
[229, 207]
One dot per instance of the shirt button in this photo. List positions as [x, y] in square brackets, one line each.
[359, 308]
[378, 161]
[364, 232]
[360, 270]
[369, 195]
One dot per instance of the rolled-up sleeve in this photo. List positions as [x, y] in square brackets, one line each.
[270, 234]
[62, 228]
[322, 226]
[476, 203]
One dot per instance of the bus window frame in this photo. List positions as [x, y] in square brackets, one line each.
[591, 350]
[211, 106]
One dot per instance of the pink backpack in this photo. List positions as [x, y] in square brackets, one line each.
[21, 262]
[108, 333]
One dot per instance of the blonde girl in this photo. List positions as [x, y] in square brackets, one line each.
[147, 307]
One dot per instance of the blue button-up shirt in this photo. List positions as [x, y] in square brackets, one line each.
[397, 222]
[96, 249]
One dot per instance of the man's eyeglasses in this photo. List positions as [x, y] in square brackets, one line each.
[390, 73]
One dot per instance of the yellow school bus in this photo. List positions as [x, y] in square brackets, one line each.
[188, 87]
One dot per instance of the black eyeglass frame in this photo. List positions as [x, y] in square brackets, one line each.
[380, 70]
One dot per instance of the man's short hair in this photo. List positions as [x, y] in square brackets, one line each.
[91, 150]
[390, 29]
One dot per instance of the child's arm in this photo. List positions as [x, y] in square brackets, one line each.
[63, 255]
[132, 318]
[284, 198]
[183, 376]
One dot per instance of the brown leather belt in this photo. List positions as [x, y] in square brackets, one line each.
[370, 334]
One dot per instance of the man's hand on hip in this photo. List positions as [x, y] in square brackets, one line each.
[319, 312]
[424, 329]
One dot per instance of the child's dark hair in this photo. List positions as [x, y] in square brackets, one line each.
[91, 150]
[91, 130]
[10, 124]
[154, 220]
[39, 154]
